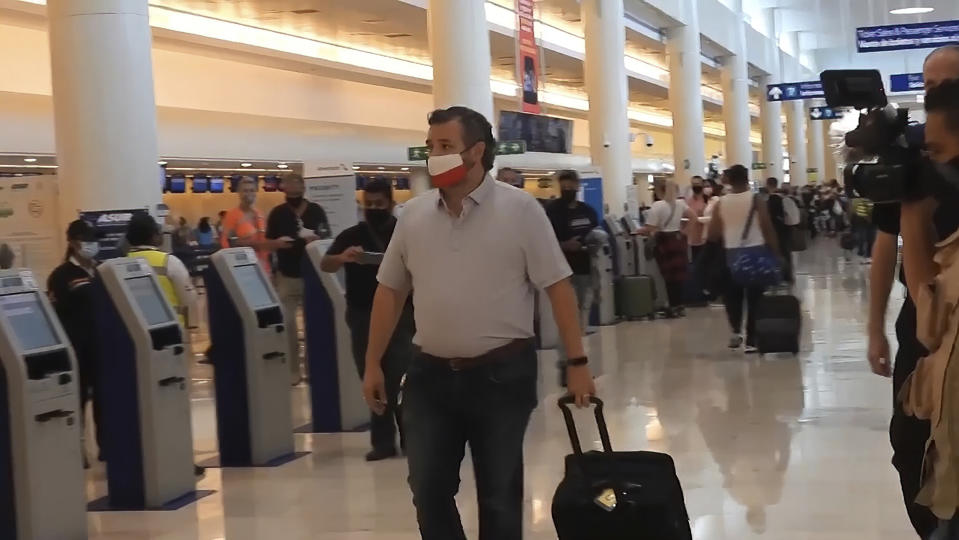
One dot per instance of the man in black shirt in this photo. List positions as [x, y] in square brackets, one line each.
[907, 434]
[305, 222]
[349, 251]
[777, 213]
[572, 220]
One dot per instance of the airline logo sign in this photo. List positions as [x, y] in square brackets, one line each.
[822, 113]
[794, 91]
[111, 225]
[906, 82]
[898, 37]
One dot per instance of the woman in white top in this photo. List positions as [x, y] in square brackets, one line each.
[664, 221]
[728, 224]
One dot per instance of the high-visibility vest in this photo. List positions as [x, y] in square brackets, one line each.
[158, 259]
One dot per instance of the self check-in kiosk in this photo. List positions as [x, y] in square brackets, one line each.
[249, 355]
[41, 462]
[336, 392]
[624, 247]
[146, 399]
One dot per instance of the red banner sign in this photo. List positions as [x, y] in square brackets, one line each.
[527, 57]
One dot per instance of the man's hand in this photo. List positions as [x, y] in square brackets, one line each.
[282, 242]
[351, 254]
[374, 389]
[878, 354]
[580, 385]
[571, 245]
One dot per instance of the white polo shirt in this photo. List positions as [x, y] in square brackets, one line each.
[473, 276]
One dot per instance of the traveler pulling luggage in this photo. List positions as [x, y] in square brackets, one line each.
[617, 495]
[778, 324]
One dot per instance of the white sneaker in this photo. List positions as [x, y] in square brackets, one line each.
[750, 349]
[736, 341]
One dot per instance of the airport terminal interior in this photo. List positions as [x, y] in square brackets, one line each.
[194, 192]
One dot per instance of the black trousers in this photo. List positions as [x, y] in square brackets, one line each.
[735, 299]
[89, 392]
[383, 428]
[908, 434]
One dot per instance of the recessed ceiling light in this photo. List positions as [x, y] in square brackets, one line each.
[356, 167]
[30, 159]
[912, 11]
[405, 169]
[282, 166]
[381, 168]
[246, 164]
[161, 162]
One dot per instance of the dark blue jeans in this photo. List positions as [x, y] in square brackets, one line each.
[487, 407]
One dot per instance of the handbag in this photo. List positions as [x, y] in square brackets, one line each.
[650, 245]
[753, 266]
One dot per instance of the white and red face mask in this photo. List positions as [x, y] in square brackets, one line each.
[446, 171]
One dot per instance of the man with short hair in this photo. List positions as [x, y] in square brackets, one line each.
[349, 251]
[510, 176]
[473, 250]
[304, 222]
[907, 434]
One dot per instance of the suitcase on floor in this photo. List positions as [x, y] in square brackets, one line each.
[798, 239]
[617, 495]
[778, 324]
[635, 297]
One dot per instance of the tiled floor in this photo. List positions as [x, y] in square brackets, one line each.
[777, 448]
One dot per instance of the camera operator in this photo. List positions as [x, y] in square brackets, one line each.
[908, 435]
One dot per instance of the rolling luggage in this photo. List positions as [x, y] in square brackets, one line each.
[617, 495]
[635, 297]
[778, 324]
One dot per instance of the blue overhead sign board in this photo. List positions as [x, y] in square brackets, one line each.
[898, 37]
[906, 82]
[793, 91]
[822, 113]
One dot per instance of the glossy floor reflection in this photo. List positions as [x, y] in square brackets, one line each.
[777, 448]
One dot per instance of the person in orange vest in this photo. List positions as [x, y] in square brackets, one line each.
[143, 236]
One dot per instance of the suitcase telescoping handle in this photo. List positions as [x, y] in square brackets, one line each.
[565, 402]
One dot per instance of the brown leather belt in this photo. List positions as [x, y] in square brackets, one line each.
[494, 355]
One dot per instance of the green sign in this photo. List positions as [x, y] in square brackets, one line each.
[417, 153]
[503, 148]
[759, 166]
[811, 170]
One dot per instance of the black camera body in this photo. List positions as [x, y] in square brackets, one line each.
[883, 159]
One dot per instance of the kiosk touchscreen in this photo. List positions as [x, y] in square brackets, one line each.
[41, 462]
[336, 392]
[624, 247]
[147, 426]
[249, 355]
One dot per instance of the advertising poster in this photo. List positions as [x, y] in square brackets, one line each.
[333, 186]
[527, 57]
[29, 224]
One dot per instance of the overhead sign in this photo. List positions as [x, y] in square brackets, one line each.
[112, 226]
[794, 91]
[503, 148]
[527, 59]
[332, 186]
[906, 82]
[897, 37]
[822, 113]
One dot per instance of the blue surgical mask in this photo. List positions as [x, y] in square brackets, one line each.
[89, 250]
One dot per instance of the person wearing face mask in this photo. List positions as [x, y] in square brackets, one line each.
[304, 222]
[572, 220]
[473, 251]
[70, 288]
[347, 252]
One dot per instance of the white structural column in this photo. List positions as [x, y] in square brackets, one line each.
[459, 41]
[770, 113]
[104, 106]
[608, 98]
[685, 94]
[796, 124]
[734, 77]
[816, 149]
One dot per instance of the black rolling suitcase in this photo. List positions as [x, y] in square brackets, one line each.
[617, 495]
[778, 324]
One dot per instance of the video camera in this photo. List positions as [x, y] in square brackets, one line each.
[883, 158]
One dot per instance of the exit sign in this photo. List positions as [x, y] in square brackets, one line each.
[504, 148]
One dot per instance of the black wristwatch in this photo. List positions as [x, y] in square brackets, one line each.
[576, 362]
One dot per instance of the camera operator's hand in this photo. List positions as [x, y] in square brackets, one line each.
[878, 354]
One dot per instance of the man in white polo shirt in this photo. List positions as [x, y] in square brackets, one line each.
[473, 251]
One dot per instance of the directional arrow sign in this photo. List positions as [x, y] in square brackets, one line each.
[796, 90]
[822, 113]
[815, 113]
[775, 93]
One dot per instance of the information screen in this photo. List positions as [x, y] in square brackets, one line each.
[216, 184]
[251, 282]
[31, 326]
[150, 300]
